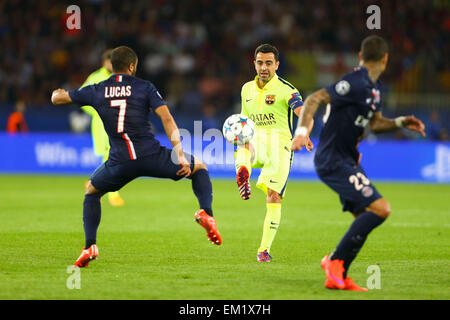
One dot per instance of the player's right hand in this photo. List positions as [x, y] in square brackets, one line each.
[185, 170]
[301, 141]
[309, 145]
[414, 124]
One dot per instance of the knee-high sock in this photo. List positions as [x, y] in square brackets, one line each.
[201, 184]
[355, 237]
[271, 223]
[91, 218]
[243, 158]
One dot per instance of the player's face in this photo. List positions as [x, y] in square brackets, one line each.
[266, 66]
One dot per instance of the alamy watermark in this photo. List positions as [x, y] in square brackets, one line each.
[210, 147]
[74, 280]
[73, 21]
[374, 20]
[374, 280]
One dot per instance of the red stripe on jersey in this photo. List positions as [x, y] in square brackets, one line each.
[130, 146]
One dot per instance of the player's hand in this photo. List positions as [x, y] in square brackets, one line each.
[414, 124]
[299, 142]
[309, 145]
[185, 170]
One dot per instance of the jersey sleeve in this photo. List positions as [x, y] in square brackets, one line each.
[155, 99]
[343, 91]
[83, 96]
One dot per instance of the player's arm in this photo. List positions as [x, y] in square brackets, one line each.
[309, 146]
[306, 118]
[60, 97]
[380, 124]
[172, 132]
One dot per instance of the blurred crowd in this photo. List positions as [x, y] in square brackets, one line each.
[199, 52]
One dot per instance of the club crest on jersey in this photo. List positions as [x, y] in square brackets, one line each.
[270, 99]
[367, 191]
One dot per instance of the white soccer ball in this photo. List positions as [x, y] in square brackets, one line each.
[238, 129]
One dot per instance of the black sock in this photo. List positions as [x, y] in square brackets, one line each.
[355, 237]
[91, 218]
[201, 184]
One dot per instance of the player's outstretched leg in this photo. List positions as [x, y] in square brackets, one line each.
[337, 265]
[201, 184]
[91, 221]
[243, 171]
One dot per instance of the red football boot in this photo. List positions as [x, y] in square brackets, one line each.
[334, 271]
[210, 225]
[242, 179]
[86, 256]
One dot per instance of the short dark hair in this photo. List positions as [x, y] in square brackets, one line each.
[267, 48]
[121, 58]
[373, 48]
[106, 55]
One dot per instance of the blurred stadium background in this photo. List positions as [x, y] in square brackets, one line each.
[199, 53]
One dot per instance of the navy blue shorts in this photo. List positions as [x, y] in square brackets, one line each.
[355, 190]
[111, 177]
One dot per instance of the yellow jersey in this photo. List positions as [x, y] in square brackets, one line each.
[272, 107]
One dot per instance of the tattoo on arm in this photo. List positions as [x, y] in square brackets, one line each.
[312, 103]
[380, 124]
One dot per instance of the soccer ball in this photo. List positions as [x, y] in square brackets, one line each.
[238, 129]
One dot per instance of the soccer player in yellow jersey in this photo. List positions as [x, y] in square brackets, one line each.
[99, 137]
[270, 102]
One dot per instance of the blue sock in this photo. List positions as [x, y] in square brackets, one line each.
[201, 184]
[355, 237]
[91, 218]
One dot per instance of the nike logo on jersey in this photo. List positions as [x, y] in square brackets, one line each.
[271, 181]
[247, 100]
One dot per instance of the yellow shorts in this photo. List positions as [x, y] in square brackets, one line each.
[275, 159]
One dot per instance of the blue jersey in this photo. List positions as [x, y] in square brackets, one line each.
[354, 99]
[124, 102]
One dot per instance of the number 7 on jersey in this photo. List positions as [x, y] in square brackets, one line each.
[122, 104]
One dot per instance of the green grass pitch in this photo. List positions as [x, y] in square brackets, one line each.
[152, 249]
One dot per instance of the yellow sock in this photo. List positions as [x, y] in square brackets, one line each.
[113, 194]
[271, 224]
[243, 156]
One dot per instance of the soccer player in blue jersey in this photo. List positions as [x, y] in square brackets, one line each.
[353, 102]
[124, 103]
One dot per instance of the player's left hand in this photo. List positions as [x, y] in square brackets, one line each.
[185, 170]
[414, 124]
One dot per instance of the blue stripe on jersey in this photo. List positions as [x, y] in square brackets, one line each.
[290, 116]
[286, 83]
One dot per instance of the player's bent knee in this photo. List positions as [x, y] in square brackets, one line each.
[381, 208]
[199, 165]
[273, 196]
[90, 189]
